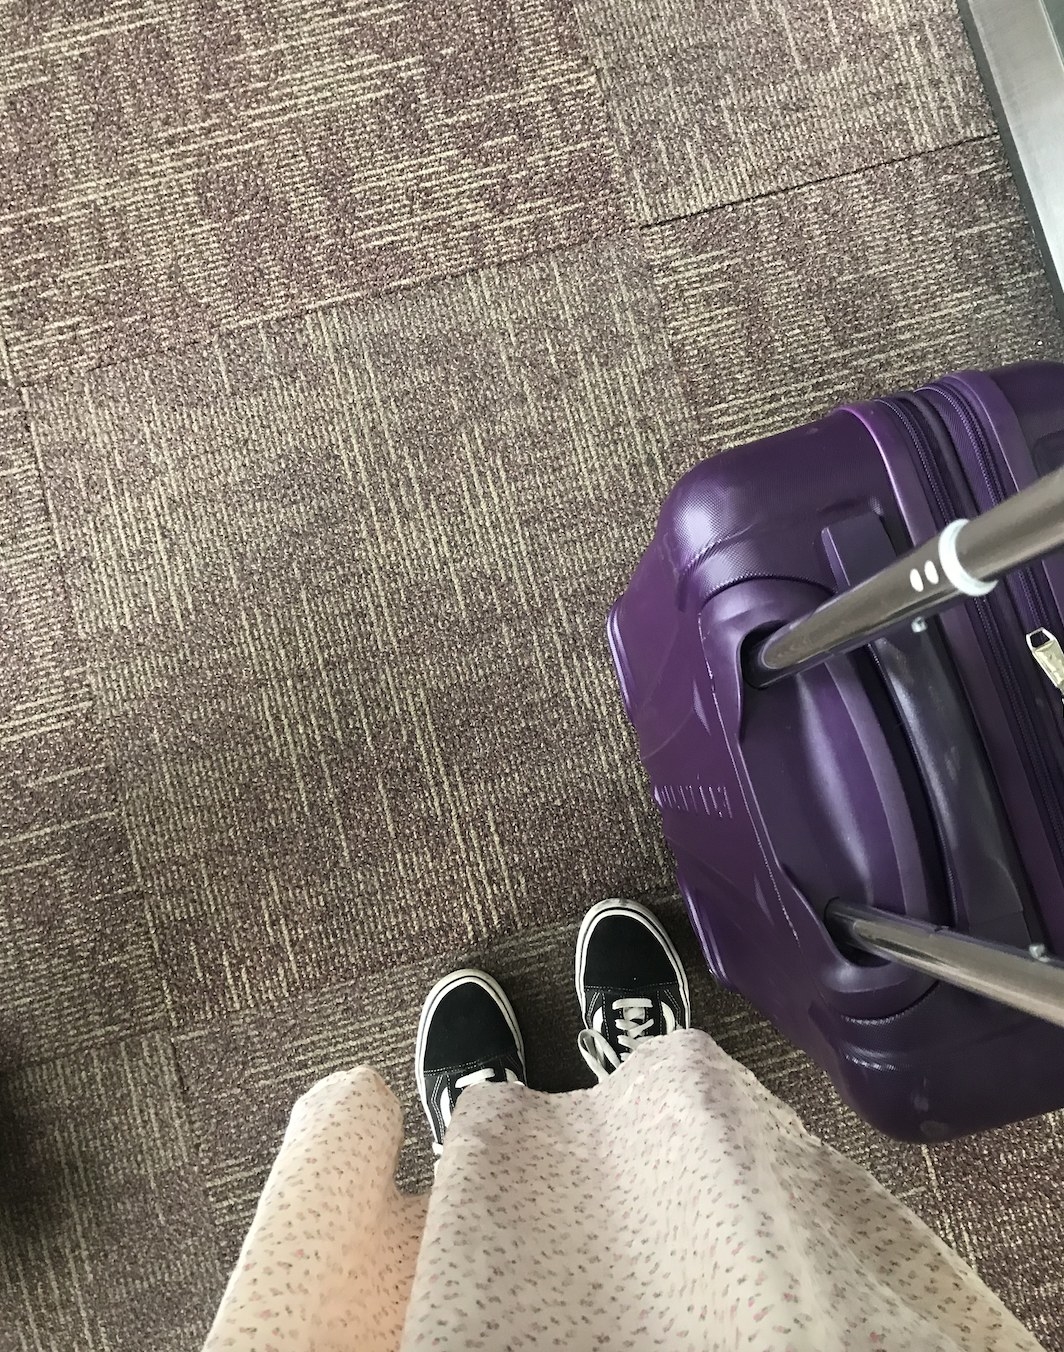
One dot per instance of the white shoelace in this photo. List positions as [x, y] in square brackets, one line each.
[632, 1023]
[485, 1075]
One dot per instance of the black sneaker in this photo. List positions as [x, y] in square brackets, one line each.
[630, 982]
[467, 1034]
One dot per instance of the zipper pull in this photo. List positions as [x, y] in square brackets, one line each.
[1047, 652]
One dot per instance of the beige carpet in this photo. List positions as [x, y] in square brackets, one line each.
[348, 349]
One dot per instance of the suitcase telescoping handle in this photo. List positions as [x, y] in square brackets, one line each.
[1025, 979]
[966, 559]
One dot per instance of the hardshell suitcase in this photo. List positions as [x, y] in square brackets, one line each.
[920, 774]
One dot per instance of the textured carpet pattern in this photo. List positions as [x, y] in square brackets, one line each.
[337, 582]
[105, 1238]
[77, 965]
[779, 308]
[175, 167]
[346, 352]
[719, 105]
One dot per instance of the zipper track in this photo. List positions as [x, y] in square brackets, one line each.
[1041, 609]
[1027, 580]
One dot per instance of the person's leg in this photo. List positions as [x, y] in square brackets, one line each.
[674, 1204]
[329, 1258]
[630, 983]
[468, 1034]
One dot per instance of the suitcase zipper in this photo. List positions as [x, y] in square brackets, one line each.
[1036, 612]
[1039, 606]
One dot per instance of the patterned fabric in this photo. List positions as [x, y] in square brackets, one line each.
[329, 1259]
[675, 1205]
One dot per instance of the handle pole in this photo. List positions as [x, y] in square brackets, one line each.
[966, 559]
[1025, 979]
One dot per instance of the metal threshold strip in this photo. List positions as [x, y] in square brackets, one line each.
[1019, 45]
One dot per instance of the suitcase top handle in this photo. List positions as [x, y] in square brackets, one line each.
[966, 559]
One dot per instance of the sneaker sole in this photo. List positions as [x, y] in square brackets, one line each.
[636, 911]
[432, 1000]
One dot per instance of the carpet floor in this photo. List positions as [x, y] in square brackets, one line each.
[347, 349]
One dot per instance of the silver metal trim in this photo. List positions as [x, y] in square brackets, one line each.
[1019, 47]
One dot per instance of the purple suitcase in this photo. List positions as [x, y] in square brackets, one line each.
[920, 775]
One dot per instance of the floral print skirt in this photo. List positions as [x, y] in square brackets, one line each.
[677, 1205]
